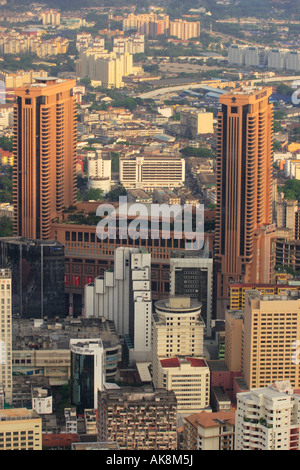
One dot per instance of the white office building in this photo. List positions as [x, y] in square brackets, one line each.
[123, 295]
[99, 171]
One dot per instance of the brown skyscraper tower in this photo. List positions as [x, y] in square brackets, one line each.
[44, 154]
[244, 230]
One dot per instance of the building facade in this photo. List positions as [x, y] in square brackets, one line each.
[37, 276]
[137, 419]
[44, 174]
[123, 294]
[267, 418]
[191, 274]
[270, 339]
[149, 172]
[87, 372]
[20, 429]
[209, 431]
[6, 334]
[245, 235]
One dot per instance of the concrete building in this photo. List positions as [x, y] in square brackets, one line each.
[20, 429]
[191, 275]
[50, 17]
[138, 418]
[108, 68]
[244, 235]
[177, 330]
[6, 334]
[123, 294]
[267, 418]
[149, 172]
[209, 431]
[150, 24]
[44, 175]
[99, 171]
[42, 348]
[194, 122]
[37, 268]
[42, 401]
[134, 44]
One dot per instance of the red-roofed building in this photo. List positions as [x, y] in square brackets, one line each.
[189, 378]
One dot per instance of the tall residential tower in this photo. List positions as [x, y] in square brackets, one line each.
[244, 243]
[44, 154]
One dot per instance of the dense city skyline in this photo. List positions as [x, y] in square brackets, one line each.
[149, 227]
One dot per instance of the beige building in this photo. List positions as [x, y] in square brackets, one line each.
[266, 341]
[177, 333]
[194, 122]
[209, 431]
[189, 378]
[20, 429]
[109, 68]
[6, 334]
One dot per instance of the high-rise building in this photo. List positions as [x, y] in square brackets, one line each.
[245, 235]
[6, 334]
[87, 372]
[106, 67]
[37, 269]
[177, 330]
[44, 176]
[123, 294]
[99, 171]
[267, 418]
[138, 418]
[20, 429]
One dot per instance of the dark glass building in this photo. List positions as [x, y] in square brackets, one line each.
[37, 276]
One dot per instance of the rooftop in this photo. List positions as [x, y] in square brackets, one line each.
[178, 361]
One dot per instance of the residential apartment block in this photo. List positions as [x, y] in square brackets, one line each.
[108, 68]
[149, 172]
